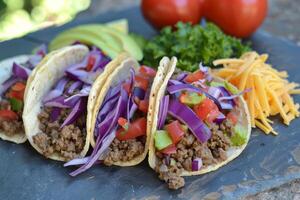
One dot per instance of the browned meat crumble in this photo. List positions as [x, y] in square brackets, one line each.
[124, 150]
[188, 149]
[67, 141]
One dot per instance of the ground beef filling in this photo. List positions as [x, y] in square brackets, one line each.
[188, 149]
[124, 150]
[10, 127]
[68, 141]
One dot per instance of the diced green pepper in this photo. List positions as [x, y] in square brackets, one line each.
[225, 84]
[239, 136]
[16, 104]
[231, 88]
[217, 84]
[162, 139]
[191, 98]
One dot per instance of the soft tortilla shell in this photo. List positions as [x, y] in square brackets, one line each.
[43, 79]
[35, 70]
[95, 97]
[5, 73]
[121, 73]
[232, 153]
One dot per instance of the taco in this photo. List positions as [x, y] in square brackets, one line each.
[56, 106]
[200, 124]
[120, 125]
[14, 76]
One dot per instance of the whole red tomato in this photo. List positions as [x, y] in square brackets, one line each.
[162, 13]
[239, 18]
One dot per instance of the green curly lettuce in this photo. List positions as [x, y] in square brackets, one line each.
[192, 45]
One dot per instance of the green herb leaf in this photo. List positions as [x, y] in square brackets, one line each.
[192, 45]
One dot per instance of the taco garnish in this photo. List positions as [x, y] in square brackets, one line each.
[15, 72]
[201, 124]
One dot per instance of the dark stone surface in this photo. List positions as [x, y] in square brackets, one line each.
[16, 47]
[283, 19]
[267, 161]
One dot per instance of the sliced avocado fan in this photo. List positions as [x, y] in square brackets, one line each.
[119, 24]
[109, 39]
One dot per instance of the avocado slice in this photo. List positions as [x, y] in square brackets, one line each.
[67, 39]
[109, 40]
[140, 40]
[127, 42]
[120, 25]
[106, 37]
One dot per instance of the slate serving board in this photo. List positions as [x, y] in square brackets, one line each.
[267, 162]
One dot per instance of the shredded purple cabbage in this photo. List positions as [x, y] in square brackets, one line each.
[187, 116]
[55, 112]
[221, 97]
[8, 83]
[61, 96]
[77, 111]
[104, 139]
[117, 103]
[187, 87]
[21, 72]
[163, 111]
[76, 85]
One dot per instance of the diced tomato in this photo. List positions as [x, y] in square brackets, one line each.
[175, 131]
[195, 76]
[127, 88]
[205, 107]
[17, 91]
[147, 71]
[143, 105]
[16, 95]
[232, 117]
[183, 96]
[122, 121]
[8, 115]
[141, 82]
[169, 150]
[18, 87]
[135, 129]
[91, 63]
[212, 115]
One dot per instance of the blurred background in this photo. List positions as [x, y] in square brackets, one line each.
[18, 17]
[31, 15]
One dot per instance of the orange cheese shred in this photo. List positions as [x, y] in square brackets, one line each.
[270, 90]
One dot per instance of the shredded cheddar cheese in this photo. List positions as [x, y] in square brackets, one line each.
[270, 90]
